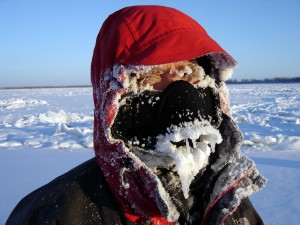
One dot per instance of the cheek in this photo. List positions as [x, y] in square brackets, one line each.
[149, 81]
[160, 86]
[193, 80]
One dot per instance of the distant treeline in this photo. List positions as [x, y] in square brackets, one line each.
[231, 81]
[272, 80]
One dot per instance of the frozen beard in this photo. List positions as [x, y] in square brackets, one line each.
[177, 126]
[189, 145]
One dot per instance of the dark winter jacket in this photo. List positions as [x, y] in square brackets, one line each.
[79, 197]
[82, 197]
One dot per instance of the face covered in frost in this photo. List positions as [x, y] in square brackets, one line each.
[170, 118]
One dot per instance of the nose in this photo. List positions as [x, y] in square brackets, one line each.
[181, 102]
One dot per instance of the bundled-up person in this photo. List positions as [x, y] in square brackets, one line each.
[167, 150]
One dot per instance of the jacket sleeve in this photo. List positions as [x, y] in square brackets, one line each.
[81, 197]
[245, 214]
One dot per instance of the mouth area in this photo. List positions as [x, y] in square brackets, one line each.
[189, 145]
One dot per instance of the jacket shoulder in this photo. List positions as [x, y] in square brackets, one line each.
[245, 214]
[80, 196]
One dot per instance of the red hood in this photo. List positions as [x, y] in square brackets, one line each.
[138, 35]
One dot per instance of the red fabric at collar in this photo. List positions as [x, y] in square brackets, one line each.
[153, 220]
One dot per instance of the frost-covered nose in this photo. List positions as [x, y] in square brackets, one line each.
[148, 114]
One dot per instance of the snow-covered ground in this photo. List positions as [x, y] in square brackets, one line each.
[269, 117]
[46, 132]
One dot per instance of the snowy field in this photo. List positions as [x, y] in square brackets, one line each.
[46, 132]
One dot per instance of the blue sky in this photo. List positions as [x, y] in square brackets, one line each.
[51, 42]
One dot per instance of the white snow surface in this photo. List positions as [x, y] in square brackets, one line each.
[46, 132]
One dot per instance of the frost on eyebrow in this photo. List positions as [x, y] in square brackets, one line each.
[186, 70]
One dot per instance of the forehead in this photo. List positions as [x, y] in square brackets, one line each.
[180, 64]
[170, 68]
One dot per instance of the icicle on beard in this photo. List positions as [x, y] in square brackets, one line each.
[177, 126]
[192, 156]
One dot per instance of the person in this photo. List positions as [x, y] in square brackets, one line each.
[166, 148]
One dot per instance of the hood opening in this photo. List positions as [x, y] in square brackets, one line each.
[144, 114]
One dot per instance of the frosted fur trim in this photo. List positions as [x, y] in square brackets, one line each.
[225, 74]
[224, 64]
